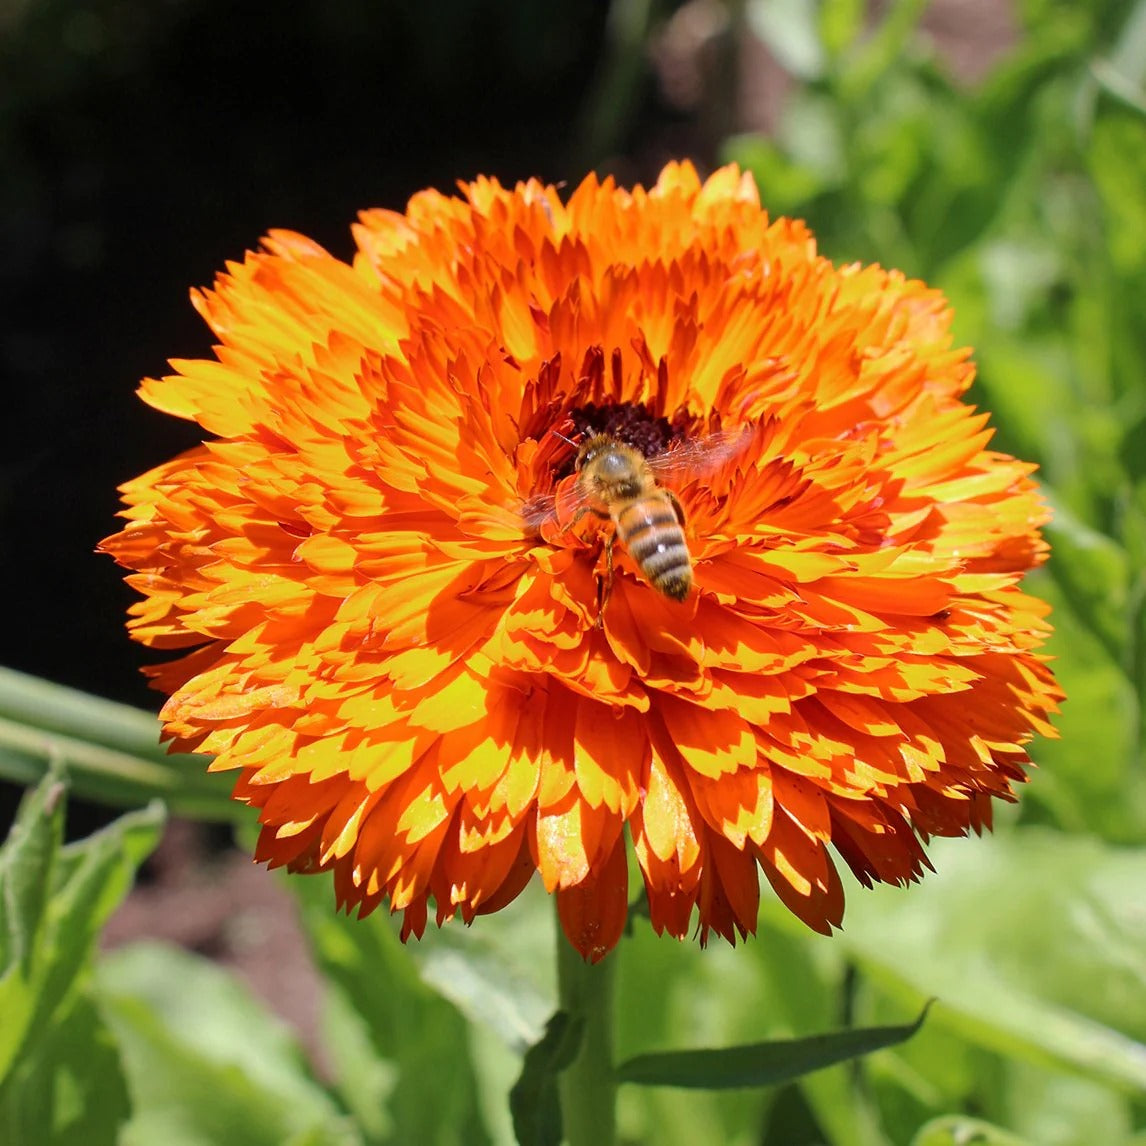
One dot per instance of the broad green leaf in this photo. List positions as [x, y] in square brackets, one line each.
[775, 987]
[815, 142]
[975, 936]
[759, 1064]
[62, 1081]
[1132, 453]
[1025, 383]
[55, 902]
[206, 1064]
[876, 54]
[673, 994]
[71, 1090]
[95, 875]
[1128, 56]
[415, 1036]
[534, 1100]
[804, 988]
[498, 973]
[363, 1079]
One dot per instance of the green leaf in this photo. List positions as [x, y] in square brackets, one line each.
[1119, 168]
[61, 1078]
[27, 860]
[977, 936]
[206, 1064]
[94, 877]
[1040, 1103]
[1101, 790]
[112, 751]
[759, 1064]
[487, 982]
[957, 1130]
[877, 54]
[418, 1040]
[71, 1091]
[55, 902]
[1093, 573]
[785, 183]
[1132, 452]
[840, 23]
[789, 29]
[674, 994]
[534, 1101]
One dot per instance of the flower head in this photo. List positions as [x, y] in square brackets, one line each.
[438, 665]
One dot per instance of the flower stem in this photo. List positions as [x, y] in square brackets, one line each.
[588, 1092]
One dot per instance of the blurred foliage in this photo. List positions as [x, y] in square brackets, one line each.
[1024, 199]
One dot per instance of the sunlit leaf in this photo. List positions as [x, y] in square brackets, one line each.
[60, 1076]
[1032, 944]
[789, 29]
[206, 1065]
[27, 860]
[417, 1039]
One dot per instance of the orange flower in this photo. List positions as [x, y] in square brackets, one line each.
[415, 676]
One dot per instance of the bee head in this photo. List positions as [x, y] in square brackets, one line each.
[602, 450]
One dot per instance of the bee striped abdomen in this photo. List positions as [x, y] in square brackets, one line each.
[651, 532]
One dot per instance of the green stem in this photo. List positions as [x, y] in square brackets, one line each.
[588, 1090]
[111, 752]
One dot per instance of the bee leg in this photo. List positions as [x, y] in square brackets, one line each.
[607, 587]
[581, 513]
[601, 598]
[676, 506]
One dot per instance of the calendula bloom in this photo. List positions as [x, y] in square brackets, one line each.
[433, 690]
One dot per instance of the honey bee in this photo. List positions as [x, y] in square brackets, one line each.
[616, 483]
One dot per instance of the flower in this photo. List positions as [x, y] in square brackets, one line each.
[434, 694]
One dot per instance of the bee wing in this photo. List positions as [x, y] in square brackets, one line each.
[537, 510]
[698, 457]
[556, 508]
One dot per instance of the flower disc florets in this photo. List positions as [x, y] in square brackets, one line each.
[411, 669]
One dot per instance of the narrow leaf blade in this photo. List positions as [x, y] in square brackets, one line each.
[760, 1064]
